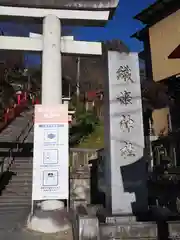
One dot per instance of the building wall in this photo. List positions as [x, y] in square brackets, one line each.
[160, 119]
[164, 38]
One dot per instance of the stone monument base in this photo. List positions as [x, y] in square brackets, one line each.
[50, 217]
[174, 230]
[124, 227]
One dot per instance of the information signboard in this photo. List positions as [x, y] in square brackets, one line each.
[51, 153]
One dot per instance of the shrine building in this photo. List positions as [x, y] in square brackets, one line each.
[161, 40]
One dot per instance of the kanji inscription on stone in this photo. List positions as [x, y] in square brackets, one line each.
[124, 73]
[126, 123]
[125, 98]
[128, 150]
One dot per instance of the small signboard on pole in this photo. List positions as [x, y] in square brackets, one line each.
[51, 153]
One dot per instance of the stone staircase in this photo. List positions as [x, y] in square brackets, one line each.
[16, 183]
[15, 199]
[19, 187]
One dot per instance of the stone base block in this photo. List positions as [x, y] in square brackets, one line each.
[128, 230]
[51, 217]
[88, 228]
[174, 230]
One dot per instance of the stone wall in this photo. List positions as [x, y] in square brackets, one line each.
[80, 175]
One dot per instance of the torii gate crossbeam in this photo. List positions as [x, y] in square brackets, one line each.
[36, 45]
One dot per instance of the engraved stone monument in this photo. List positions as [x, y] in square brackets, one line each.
[124, 142]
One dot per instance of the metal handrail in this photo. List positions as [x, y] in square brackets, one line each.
[11, 149]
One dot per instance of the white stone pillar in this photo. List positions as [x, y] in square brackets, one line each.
[126, 172]
[50, 218]
[51, 61]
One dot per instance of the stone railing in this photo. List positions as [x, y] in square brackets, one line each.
[80, 175]
[80, 156]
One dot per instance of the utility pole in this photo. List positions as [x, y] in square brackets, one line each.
[78, 79]
[69, 90]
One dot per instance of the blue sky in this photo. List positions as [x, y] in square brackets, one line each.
[122, 26]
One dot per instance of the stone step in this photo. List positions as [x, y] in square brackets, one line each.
[12, 215]
[14, 202]
[15, 186]
[18, 189]
[27, 159]
[20, 199]
[16, 183]
[23, 160]
[22, 176]
[22, 163]
[11, 207]
[14, 208]
[24, 173]
[15, 198]
[16, 193]
[21, 173]
[7, 212]
[11, 223]
[24, 166]
[21, 179]
[26, 182]
[12, 220]
[20, 192]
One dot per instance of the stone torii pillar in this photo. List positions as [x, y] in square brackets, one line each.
[51, 61]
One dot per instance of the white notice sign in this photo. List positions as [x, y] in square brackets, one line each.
[51, 153]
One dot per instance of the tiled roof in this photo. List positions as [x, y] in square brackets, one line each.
[157, 11]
